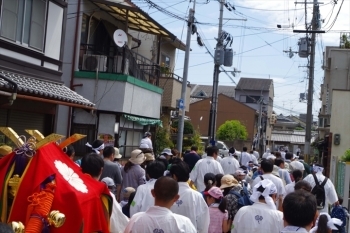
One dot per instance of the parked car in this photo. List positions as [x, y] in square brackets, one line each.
[223, 148]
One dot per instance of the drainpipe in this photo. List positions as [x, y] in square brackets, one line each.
[78, 19]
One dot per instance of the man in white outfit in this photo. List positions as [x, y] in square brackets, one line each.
[245, 157]
[143, 198]
[262, 216]
[256, 153]
[191, 203]
[204, 166]
[159, 218]
[229, 164]
[146, 142]
[330, 193]
[266, 154]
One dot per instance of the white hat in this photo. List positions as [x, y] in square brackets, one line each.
[137, 157]
[271, 157]
[116, 153]
[295, 156]
[166, 151]
[296, 165]
[108, 181]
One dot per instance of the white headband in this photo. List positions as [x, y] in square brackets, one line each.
[270, 188]
[317, 168]
[97, 150]
[330, 224]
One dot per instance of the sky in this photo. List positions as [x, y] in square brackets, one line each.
[258, 44]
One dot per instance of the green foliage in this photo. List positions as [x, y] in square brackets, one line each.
[299, 128]
[346, 156]
[232, 130]
[162, 140]
[193, 140]
[188, 127]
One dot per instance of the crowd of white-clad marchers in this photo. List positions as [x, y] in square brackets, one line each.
[277, 192]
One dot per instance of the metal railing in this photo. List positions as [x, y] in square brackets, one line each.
[113, 59]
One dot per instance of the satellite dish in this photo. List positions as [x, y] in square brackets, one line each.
[120, 38]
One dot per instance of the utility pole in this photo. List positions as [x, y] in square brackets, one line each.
[180, 131]
[214, 97]
[311, 82]
[261, 100]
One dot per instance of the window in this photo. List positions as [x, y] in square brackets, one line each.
[252, 99]
[23, 21]
[165, 60]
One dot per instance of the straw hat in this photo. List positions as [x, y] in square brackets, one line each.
[149, 157]
[137, 157]
[5, 150]
[228, 181]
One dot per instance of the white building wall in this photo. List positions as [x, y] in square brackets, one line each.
[54, 31]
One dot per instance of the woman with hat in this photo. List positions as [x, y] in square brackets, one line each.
[132, 173]
[230, 186]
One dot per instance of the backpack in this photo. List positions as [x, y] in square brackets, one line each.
[319, 192]
[243, 197]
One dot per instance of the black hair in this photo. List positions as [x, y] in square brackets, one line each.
[340, 199]
[92, 164]
[181, 170]
[266, 166]
[289, 155]
[4, 228]
[232, 150]
[165, 189]
[97, 143]
[131, 198]
[278, 154]
[211, 150]
[301, 157]
[253, 148]
[322, 224]
[70, 150]
[245, 149]
[164, 161]
[226, 191]
[299, 208]
[222, 203]
[297, 175]
[155, 169]
[194, 148]
[278, 162]
[209, 181]
[108, 151]
[218, 180]
[302, 185]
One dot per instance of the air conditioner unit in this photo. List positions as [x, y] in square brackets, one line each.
[94, 62]
[117, 65]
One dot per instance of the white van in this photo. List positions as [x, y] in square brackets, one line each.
[223, 149]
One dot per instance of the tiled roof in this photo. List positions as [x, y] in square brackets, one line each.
[196, 90]
[42, 88]
[254, 84]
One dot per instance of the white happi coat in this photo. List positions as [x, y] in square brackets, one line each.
[277, 181]
[159, 220]
[290, 188]
[331, 194]
[192, 205]
[143, 198]
[229, 165]
[258, 218]
[202, 167]
[118, 220]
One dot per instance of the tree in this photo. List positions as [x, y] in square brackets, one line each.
[232, 130]
[162, 140]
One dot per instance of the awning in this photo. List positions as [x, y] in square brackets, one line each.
[136, 18]
[144, 121]
[43, 91]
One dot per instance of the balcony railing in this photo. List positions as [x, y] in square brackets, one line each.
[113, 59]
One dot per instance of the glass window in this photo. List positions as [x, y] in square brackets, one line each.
[165, 60]
[23, 21]
[252, 99]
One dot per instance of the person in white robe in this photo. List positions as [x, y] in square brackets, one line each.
[159, 218]
[143, 198]
[191, 203]
[262, 216]
[204, 166]
[229, 164]
[330, 193]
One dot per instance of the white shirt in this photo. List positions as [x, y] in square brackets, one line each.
[290, 188]
[256, 154]
[331, 194]
[146, 143]
[159, 220]
[192, 205]
[277, 181]
[257, 218]
[290, 229]
[253, 158]
[245, 158]
[266, 154]
[143, 198]
[118, 220]
[283, 154]
[202, 167]
[229, 165]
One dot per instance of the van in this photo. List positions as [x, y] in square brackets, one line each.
[223, 149]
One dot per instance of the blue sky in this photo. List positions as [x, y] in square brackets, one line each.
[258, 43]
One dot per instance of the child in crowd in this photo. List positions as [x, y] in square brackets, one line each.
[126, 194]
[341, 213]
[217, 210]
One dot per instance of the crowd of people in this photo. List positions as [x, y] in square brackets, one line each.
[277, 192]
